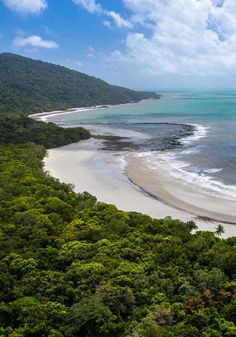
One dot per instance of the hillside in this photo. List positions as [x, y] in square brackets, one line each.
[28, 85]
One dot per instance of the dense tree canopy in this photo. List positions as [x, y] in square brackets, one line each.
[17, 129]
[73, 267]
[34, 86]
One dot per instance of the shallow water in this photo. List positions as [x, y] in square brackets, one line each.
[207, 158]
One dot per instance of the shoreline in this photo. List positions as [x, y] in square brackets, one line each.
[191, 199]
[171, 198]
[43, 116]
[200, 217]
[98, 172]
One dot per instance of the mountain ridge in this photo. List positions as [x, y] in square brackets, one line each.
[31, 86]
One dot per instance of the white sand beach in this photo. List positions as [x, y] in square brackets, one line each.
[43, 116]
[46, 115]
[100, 173]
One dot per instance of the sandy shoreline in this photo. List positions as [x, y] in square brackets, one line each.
[43, 116]
[99, 173]
[182, 195]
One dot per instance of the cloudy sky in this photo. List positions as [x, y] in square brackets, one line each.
[145, 44]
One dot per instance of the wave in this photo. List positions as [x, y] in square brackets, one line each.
[200, 132]
[212, 170]
[176, 167]
[172, 164]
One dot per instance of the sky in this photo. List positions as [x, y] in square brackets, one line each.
[141, 44]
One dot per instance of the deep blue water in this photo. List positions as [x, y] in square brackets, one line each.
[212, 151]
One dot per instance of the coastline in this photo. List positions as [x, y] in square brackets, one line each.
[99, 173]
[137, 186]
[188, 197]
[43, 116]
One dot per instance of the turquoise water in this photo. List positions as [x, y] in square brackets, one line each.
[210, 152]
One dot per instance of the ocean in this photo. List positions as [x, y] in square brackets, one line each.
[190, 134]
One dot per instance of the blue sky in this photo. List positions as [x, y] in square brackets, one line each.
[144, 44]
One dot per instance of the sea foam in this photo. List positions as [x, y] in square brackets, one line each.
[172, 163]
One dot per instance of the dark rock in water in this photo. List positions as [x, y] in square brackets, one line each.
[164, 137]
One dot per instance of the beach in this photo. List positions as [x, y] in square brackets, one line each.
[43, 116]
[191, 197]
[162, 158]
[102, 174]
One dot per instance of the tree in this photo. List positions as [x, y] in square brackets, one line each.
[89, 318]
[219, 230]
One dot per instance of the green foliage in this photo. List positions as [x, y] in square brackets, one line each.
[72, 267]
[89, 318]
[29, 86]
[17, 129]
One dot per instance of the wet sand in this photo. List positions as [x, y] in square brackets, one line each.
[99, 173]
[181, 194]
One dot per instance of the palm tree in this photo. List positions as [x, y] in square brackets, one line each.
[219, 230]
[192, 226]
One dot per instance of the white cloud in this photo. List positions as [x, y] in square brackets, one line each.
[93, 7]
[120, 22]
[91, 52]
[106, 23]
[34, 41]
[185, 37]
[79, 63]
[26, 6]
[89, 5]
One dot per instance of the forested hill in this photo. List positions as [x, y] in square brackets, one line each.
[28, 85]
